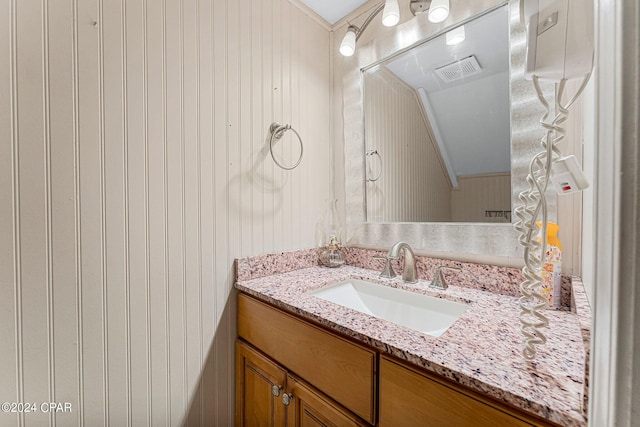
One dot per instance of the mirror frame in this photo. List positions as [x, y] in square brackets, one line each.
[488, 240]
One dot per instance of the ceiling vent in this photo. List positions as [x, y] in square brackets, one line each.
[459, 70]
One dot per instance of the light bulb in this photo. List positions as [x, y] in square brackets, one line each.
[348, 45]
[439, 10]
[455, 36]
[391, 13]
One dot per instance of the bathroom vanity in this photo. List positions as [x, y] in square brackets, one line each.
[309, 361]
[307, 357]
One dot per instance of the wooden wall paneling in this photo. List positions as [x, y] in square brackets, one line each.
[221, 152]
[242, 202]
[286, 111]
[115, 211]
[10, 254]
[267, 178]
[90, 164]
[136, 150]
[393, 116]
[176, 208]
[157, 218]
[62, 209]
[192, 203]
[278, 175]
[221, 176]
[33, 175]
[202, 411]
[316, 188]
[477, 194]
[135, 174]
[571, 225]
[258, 130]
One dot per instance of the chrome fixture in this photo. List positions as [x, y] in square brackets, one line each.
[419, 6]
[371, 153]
[277, 131]
[439, 281]
[391, 13]
[390, 17]
[387, 271]
[438, 11]
[409, 269]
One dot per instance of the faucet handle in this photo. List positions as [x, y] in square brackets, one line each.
[439, 281]
[387, 271]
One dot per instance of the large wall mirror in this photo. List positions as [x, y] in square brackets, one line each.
[403, 123]
[438, 128]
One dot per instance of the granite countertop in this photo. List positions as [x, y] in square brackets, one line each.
[480, 350]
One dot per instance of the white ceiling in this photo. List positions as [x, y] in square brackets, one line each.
[471, 115]
[333, 10]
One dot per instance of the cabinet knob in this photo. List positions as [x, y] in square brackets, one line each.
[287, 398]
[276, 390]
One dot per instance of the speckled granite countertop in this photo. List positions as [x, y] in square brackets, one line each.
[480, 350]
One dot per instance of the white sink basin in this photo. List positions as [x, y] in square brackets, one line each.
[422, 313]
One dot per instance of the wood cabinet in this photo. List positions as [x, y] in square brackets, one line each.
[332, 381]
[339, 368]
[266, 395]
[411, 397]
[256, 377]
[310, 408]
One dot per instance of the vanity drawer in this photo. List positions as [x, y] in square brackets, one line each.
[409, 397]
[339, 368]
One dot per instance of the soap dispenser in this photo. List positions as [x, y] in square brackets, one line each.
[332, 256]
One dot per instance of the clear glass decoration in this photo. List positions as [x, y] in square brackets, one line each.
[332, 256]
[332, 224]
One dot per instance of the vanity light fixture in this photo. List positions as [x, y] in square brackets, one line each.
[391, 13]
[439, 11]
[348, 45]
[390, 17]
[455, 36]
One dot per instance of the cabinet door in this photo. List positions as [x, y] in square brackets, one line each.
[412, 398]
[309, 408]
[339, 368]
[256, 402]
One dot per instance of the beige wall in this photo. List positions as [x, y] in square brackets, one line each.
[480, 193]
[133, 171]
[396, 128]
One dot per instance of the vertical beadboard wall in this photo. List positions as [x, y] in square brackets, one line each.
[133, 170]
[393, 117]
[480, 193]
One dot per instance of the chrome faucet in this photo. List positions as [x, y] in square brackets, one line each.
[409, 270]
[387, 271]
[439, 281]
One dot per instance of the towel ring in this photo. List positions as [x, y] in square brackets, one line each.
[374, 153]
[277, 131]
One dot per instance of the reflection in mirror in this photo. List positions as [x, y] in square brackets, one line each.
[437, 128]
